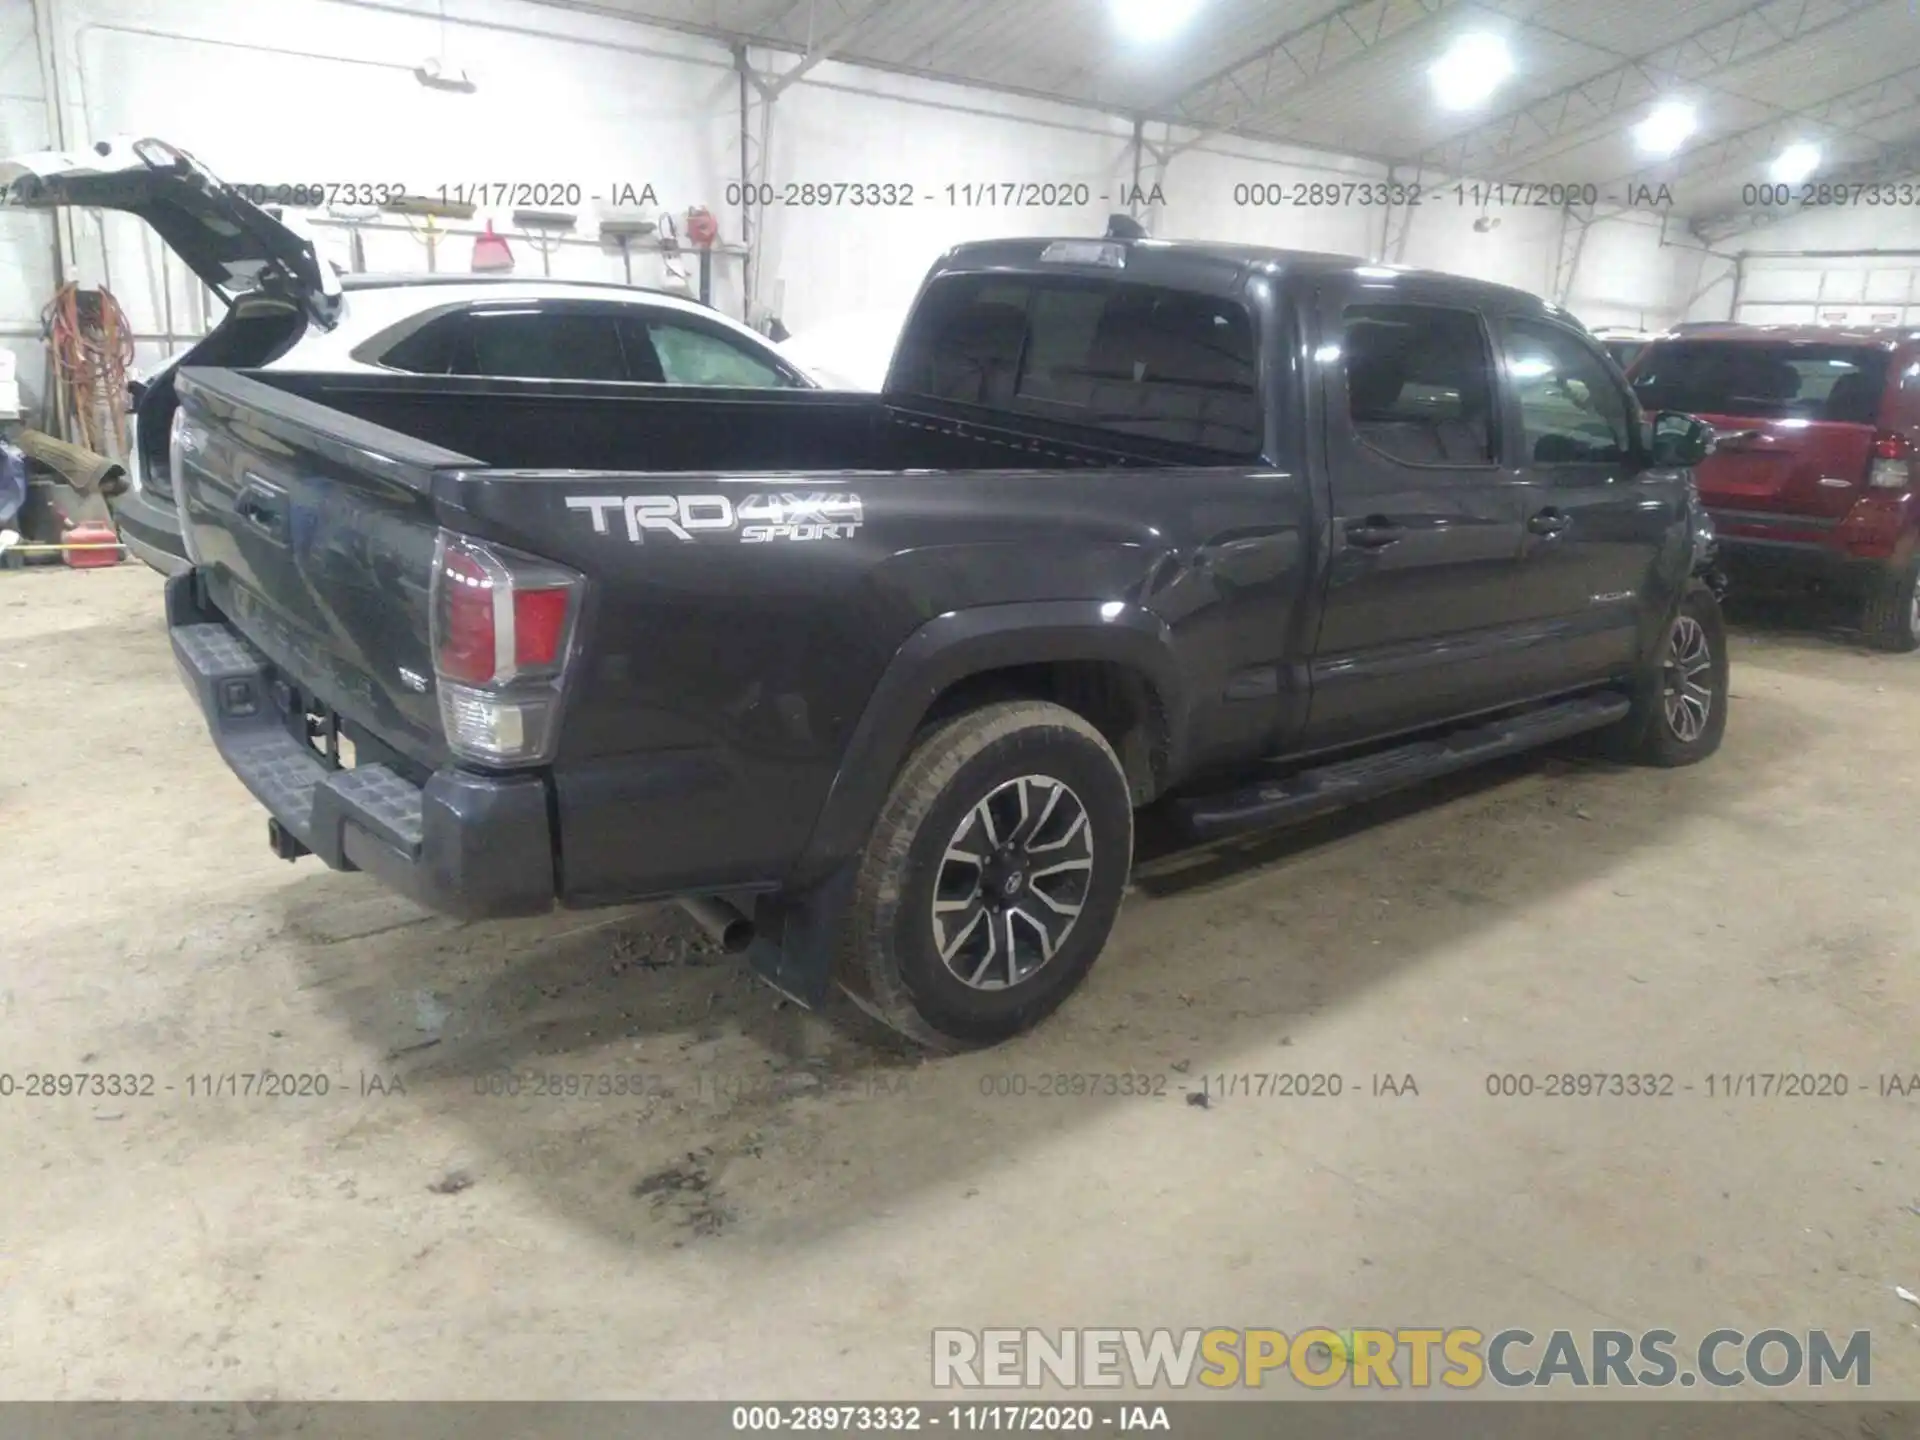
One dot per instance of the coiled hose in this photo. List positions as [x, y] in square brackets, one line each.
[92, 347]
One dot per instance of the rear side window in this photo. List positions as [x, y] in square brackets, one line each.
[1419, 383]
[525, 342]
[430, 350]
[1763, 381]
[537, 344]
[1130, 359]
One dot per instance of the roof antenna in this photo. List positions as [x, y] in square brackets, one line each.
[1125, 227]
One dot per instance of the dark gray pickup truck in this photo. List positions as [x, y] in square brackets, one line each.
[875, 683]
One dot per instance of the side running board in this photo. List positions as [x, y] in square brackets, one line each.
[1344, 782]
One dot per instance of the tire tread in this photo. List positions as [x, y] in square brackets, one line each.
[867, 971]
[1886, 615]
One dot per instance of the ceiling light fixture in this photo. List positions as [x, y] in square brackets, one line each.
[1152, 20]
[1666, 128]
[1794, 164]
[1472, 69]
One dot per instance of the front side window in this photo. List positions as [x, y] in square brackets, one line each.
[1419, 383]
[1129, 359]
[696, 356]
[1572, 411]
[1625, 352]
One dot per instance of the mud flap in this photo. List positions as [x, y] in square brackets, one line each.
[797, 938]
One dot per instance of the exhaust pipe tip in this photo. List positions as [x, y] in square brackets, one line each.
[729, 925]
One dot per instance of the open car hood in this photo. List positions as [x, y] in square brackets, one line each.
[234, 246]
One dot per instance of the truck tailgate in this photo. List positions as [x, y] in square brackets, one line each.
[313, 532]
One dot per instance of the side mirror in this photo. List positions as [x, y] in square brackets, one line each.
[1679, 440]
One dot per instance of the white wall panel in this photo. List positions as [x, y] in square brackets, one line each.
[1843, 283]
[272, 91]
[951, 149]
[26, 241]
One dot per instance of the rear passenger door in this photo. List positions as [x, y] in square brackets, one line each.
[1418, 614]
[1595, 516]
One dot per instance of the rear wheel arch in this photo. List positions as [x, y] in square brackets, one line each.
[1115, 697]
[1111, 663]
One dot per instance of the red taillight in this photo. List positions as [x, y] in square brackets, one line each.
[539, 626]
[467, 647]
[502, 623]
[1892, 465]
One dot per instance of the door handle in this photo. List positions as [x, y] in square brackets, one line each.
[1374, 532]
[262, 508]
[1548, 522]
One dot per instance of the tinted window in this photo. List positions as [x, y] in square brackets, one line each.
[1572, 410]
[543, 344]
[431, 349]
[528, 343]
[1419, 383]
[1763, 381]
[697, 356]
[1132, 359]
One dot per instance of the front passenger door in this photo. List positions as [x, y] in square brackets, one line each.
[1595, 518]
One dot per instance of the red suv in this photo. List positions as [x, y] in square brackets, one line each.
[1815, 474]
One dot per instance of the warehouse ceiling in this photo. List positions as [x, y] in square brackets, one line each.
[1353, 77]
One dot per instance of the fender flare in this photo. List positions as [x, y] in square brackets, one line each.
[953, 647]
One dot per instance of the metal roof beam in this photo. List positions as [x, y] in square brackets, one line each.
[1842, 114]
[844, 25]
[1845, 114]
[1249, 87]
[1896, 162]
[1543, 127]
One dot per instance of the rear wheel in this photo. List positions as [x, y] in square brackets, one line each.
[1680, 706]
[992, 877]
[1891, 617]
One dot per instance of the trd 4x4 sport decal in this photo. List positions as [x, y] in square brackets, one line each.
[755, 520]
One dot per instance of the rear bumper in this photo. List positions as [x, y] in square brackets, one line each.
[1764, 549]
[151, 530]
[467, 845]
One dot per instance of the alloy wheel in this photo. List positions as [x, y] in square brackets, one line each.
[1687, 691]
[1012, 881]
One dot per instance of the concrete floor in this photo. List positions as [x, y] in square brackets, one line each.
[789, 1208]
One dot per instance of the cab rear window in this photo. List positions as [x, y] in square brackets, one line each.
[1130, 359]
[1763, 382]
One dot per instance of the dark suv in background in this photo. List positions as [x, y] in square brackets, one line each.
[1814, 480]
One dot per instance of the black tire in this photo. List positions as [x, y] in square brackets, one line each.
[1665, 726]
[1001, 757]
[1891, 615]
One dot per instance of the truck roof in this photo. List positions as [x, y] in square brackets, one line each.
[1214, 268]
